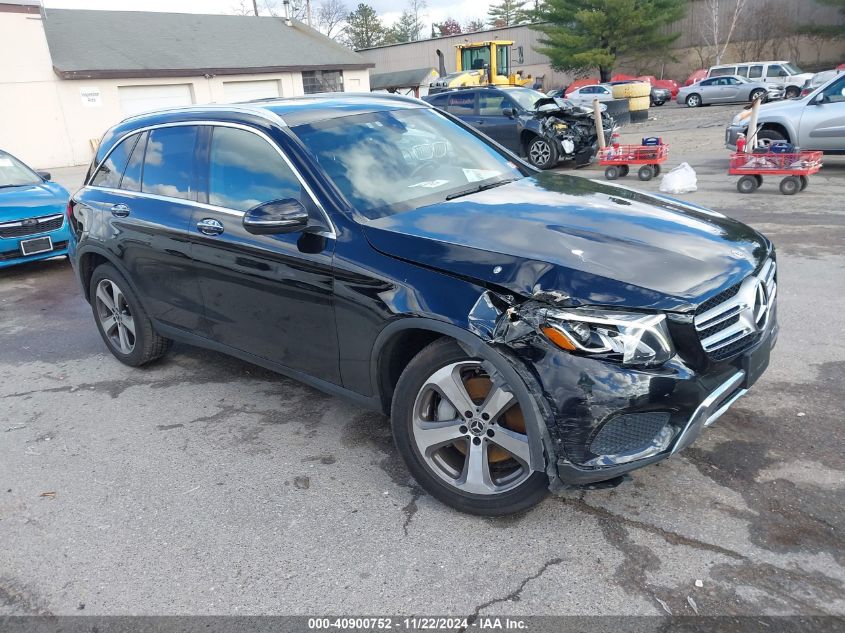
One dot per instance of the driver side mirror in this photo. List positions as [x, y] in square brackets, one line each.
[509, 112]
[44, 174]
[276, 217]
[819, 99]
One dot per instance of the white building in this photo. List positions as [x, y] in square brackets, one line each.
[67, 75]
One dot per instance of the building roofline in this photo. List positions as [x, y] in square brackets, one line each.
[446, 37]
[152, 73]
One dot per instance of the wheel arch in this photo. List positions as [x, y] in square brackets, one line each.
[780, 128]
[514, 372]
[525, 138]
[89, 258]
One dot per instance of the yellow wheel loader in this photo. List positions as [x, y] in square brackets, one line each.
[480, 64]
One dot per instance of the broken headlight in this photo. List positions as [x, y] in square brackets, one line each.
[632, 339]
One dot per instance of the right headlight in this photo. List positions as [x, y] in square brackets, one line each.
[629, 338]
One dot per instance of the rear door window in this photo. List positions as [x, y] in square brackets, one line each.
[742, 71]
[245, 171]
[109, 173]
[461, 104]
[169, 162]
[755, 72]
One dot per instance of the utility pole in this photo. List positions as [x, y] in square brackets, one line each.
[255, 6]
[308, 12]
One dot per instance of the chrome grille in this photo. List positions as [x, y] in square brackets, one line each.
[731, 321]
[31, 226]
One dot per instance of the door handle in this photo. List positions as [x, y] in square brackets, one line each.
[210, 226]
[120, 210]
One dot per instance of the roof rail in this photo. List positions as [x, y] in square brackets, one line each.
[227, 107]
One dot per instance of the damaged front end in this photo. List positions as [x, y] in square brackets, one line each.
[616, 393]
[571, 128]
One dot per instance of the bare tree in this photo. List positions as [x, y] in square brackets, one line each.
[245, 7]
[417, 8]
[331, 16]
[721, 19]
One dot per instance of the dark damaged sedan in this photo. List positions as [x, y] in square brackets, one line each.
[524, 331]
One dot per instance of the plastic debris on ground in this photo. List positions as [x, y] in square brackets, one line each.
[682, 179]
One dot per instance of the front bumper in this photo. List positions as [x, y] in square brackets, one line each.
[609, 419]
[10, 248]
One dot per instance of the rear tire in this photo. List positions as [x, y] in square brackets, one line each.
[122, 321]
[805, 182]
[612, 172]
[624, 170]
[441, 463]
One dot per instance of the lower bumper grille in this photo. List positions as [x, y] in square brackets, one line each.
[16, 254]
[631, 436]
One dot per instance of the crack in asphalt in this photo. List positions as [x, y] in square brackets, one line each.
[673, 538]
[514, 595]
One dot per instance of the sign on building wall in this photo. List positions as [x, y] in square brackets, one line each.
[90, 97]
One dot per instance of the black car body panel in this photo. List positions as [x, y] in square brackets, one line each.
[339, 304]
[596, 243]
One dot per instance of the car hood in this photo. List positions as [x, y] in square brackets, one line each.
[27, 201]
[596, 243]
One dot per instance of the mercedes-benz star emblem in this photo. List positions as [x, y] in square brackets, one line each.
[476, 426]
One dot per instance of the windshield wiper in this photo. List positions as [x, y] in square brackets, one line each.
[491, 185]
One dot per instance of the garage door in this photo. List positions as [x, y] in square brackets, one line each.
[247, 90]
[136, 99]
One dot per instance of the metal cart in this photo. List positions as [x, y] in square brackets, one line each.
[796, 168]
[619, 158]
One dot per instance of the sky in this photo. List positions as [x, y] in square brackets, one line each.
[437, 11]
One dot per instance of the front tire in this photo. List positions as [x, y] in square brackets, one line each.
[121, 320]
[542, 153]
[758, 94]
[462, 437]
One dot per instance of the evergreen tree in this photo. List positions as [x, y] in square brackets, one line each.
[580, 35]
[507, 13]
[364, 28]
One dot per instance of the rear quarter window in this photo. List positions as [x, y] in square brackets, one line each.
[110, 172]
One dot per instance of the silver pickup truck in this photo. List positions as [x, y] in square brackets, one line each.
[816, 121]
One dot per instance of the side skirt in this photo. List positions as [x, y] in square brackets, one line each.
[190, 338]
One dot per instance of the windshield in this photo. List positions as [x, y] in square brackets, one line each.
[792, 69]
[13, 173]
[525, 97]
[394, 161]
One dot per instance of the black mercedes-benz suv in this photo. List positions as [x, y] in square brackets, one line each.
[523, 330]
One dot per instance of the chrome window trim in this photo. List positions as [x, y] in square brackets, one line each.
[331, 232]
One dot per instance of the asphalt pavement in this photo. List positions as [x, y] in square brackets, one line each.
[204, 485]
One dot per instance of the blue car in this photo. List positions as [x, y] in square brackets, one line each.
[33, 223]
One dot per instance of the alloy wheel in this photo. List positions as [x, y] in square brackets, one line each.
[540, 152]
[115, 316]
[471, 432]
